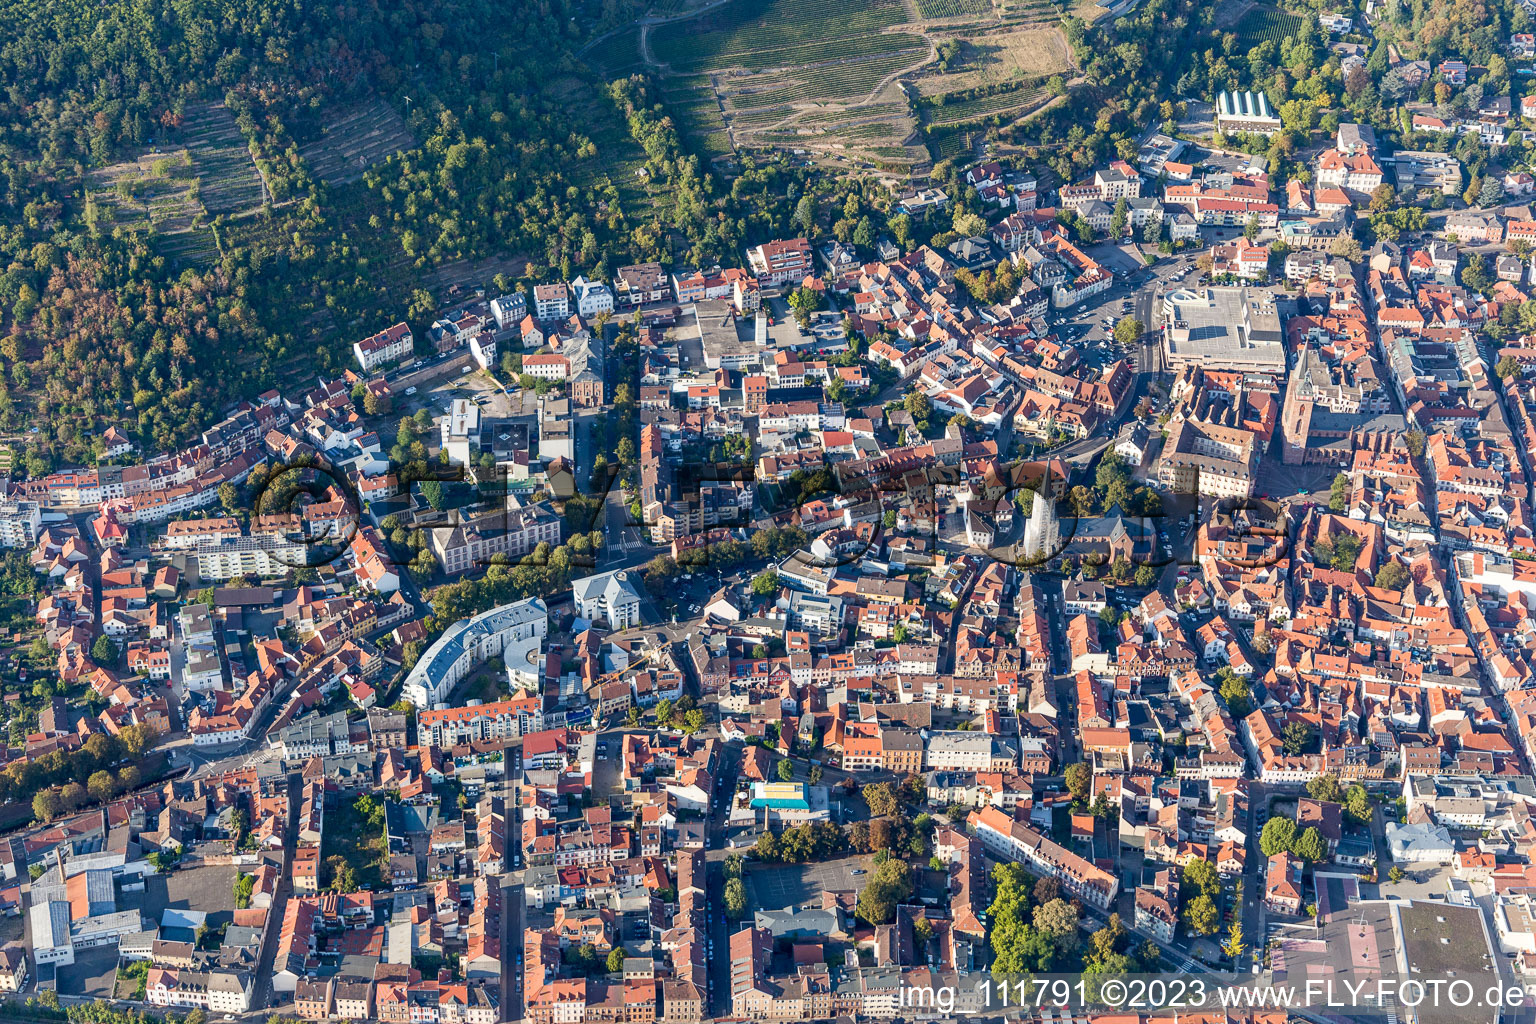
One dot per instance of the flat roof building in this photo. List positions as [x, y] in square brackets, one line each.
[780, 795]
[1223, 329]
[725, 339]
[459, 427]
[1438, 941]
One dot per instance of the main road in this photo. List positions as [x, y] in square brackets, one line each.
[719, 996]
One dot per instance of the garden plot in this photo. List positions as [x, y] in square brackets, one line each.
[1267, 25]
[228, 181]
[157, 193]
[755, 36]
[355, 139]
[1002, 57]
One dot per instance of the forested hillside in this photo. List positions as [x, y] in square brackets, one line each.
[150, 293]
[1472, 30]
[86, 78]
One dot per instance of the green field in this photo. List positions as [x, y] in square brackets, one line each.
[619, 55]
[982, 107]
[356, 138]
[693, 107]
[844, 81]
[194, 246]
[856, 78]
[1030, 12]
[805, 74]
[883, 130]
[713, 144]
[692, 89]
[781, 33]
[221, 160]
[694, 111]
[946, 142]
[593, 115]
[934, 10]
[1266, 24]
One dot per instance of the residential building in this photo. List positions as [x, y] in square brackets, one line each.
[610, 598]
[20, 523]
[779, 263]
[514, 632]
[592, 297]
[391, 345]
[639, 284]
[551, 301]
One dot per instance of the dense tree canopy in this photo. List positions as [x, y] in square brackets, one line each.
[102, 321]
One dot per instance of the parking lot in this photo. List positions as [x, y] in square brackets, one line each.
[475, 385]
[692, 594]
[1420, 882]
[793, 885]
[209, 890]
[609, 766]
[1199, 119]
[1120, 258]
[93, 973]
[1091, 328]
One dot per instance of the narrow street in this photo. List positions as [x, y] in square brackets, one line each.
[513, 918]
[1253, 884]
[514, 910]
[263, 997]
[719, 996]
